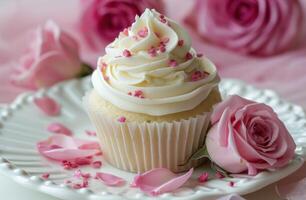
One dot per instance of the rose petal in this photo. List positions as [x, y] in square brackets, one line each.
[61, 147]
[292, 191]
[109, 179]
[59, 128]
[48, 106]
[160, 180]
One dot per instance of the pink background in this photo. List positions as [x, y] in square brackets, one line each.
[285, 73]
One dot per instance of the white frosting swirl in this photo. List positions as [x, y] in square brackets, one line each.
[165, 76]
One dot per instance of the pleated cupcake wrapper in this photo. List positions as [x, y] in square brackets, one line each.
[138, 147]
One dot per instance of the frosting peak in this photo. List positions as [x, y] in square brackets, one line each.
[151, 68]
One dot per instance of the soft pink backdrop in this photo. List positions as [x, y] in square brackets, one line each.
[284, 73]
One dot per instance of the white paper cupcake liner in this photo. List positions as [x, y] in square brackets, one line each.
[138, 147]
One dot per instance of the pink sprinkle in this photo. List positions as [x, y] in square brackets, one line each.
[91, 133]
[180, 43]
[143, 32]
[96, 164]
[198, 75]
[135, 37]
[45, 175]
[203, 177]
[163, 20]
[77, 186]
[127, 53]
[152, 52]
[85, 183]
[130, 93]
[126, 32]
[138, 93]
[231, 184]
[69, 165]
[67, 181]
[106, 78]
[162, 48]
[86, 176]
[103, 66]
[157, 34]
[172, 63]
[199, 55]
[188, 56]
[122, 119]
[77, 173]
[165, 40]
[219, 175]
[99, 153]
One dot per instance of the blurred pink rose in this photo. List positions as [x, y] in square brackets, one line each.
[52, 57]
[102, 20]
[248, 136]
[259, 27]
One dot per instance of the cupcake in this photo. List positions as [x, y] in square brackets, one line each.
[152, 96]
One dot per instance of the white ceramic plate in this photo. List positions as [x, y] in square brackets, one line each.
[22, 125]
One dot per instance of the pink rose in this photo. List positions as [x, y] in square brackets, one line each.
[102, 20]
[248, 136]
[260, 27]
[52, 57]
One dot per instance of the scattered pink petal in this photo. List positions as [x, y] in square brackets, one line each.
[160, 180]
[48, 106]
[96, 164]
[91, 133]
[59, 128]
[231, 184]
[292, 191]
[83, 161]
[122, 119]
[61, 147]
[203, 177]
[127, 53]
[45, 175]
[109, 179]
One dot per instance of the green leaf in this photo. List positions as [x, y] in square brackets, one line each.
[85, 70]
[199, 154]
[217, 168]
